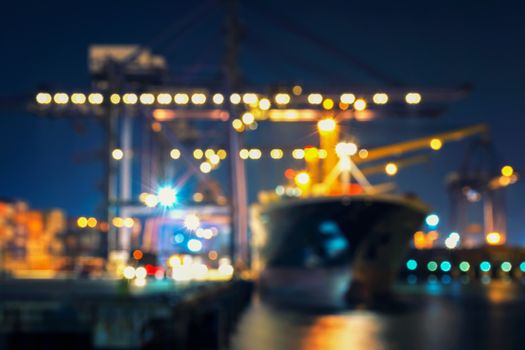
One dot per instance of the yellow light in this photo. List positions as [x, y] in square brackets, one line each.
[130, 99]
[61, 98]
[198, 153]
[209, 153]
[311, 154]
[391, 169]
[164, 99]
[117, 154]
[297, 90]
[298, 153]
[151, 200]
[147, 99]
[436, 144]
[235, 98]
[43, 98]
[117, 222]
[346, 149]
[323, 154]
[205, 167]
[264, 104]
[328, 104]
[181, 98]
[222, 154]
[115, 99]
[326, 125]
[380, 98]
[494, 238]
[174, 261]
[82, 222]
[413, 98]
[238, 125]
[244, 153]
[276, 153]
[214, 159]
[128, 222]
[198, 99]
[95, 98]
[218, 99]
[360, 105]
[175, 153]
[507, 170]
[78, 98]
[255, 153]
[92, 222]
[302, 178]
[248, 118]
[363, 153]
[282, 99]
[347, 98]
[249, 98]
[315, 99]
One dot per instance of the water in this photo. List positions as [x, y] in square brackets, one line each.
[431, 315]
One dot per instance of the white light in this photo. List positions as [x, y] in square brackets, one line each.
[218, 99]
[432, 220]
[235, 99]
[129, 272]
[147, 99]
[194, 245]
[141, 273]
[315, 99]
[61, 98]
[454, 235]
[348, 98]
[451, 243]
[249, 98]
[265, 104]
[167, 196]
[181, 99]
[130, 99]
[151, 200]
[164, 99]
[117, 154]
[205, 167]
[175, 153]
[345, 149]
[192, 222]
[413, 98]
[78, 98]
[248, 118]
[226, 269]
[43, 98]
[282, 99]
[198, 99]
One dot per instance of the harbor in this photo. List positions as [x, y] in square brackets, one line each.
[256, 175]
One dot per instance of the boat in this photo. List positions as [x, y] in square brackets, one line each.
[324, 233]
[304, 244]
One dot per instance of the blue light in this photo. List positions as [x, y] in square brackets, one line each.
[445, 266]
[411, 264]
[522, 266]
[484, 266]
[179, 238]
[432, 266]
[432, 220]
[194, 245]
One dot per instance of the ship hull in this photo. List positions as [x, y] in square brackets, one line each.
[356, 241]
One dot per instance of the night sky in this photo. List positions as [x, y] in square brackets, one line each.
[422, 43]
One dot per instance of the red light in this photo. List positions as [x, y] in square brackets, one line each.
[289, 173]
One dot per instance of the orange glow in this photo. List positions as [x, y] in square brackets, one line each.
[289, 173]
[156, 126]
[343, 106]
[137, 254]
[494, 238]
[213, 255]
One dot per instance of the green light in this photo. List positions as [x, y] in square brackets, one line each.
[445, 266]
[506, 266]
[411, 264]
[464, 266]
[432, 266]
[484, 266]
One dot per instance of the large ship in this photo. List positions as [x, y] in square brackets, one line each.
[328, 233]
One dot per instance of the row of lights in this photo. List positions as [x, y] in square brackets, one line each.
[83, 222]
[464, 266]
[199, 98]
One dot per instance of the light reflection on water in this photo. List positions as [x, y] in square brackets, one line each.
[424, 316]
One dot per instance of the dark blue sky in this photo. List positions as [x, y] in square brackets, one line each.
[419, 43]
